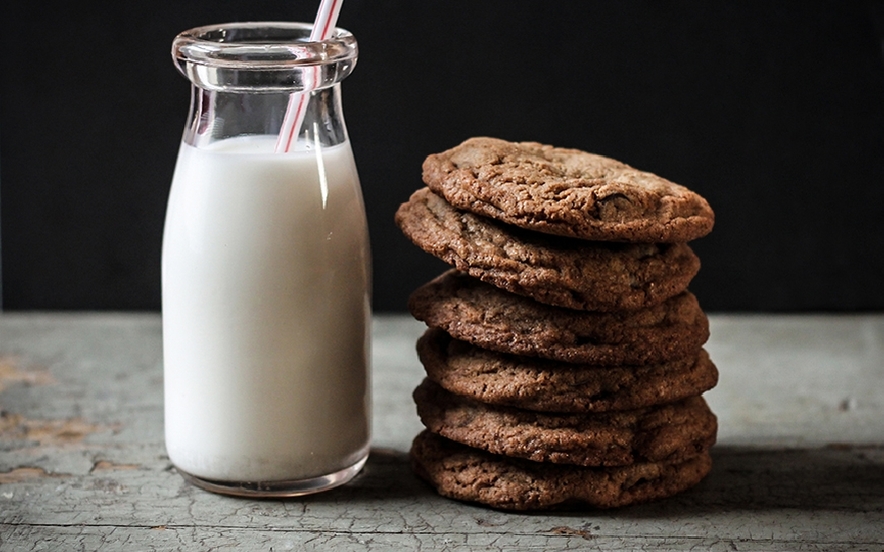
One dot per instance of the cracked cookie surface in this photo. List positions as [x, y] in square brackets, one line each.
[463, 473]
[665, 433]
[551, 386]
[473, 311]
[560, 271]
[566, 192]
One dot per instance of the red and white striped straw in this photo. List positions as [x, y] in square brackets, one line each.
[323, 26]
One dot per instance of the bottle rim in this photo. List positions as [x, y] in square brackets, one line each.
[260, 46]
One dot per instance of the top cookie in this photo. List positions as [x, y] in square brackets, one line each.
[566, 192]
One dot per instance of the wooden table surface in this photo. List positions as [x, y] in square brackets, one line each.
[799, 464]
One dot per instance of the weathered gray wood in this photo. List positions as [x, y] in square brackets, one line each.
[799, 466]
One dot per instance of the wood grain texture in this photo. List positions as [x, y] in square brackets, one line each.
[799, 464]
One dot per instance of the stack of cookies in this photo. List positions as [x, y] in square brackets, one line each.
[564, 353]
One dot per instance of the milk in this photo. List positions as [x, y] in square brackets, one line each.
[266, 314]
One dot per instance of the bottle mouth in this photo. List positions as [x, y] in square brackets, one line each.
[262, 56]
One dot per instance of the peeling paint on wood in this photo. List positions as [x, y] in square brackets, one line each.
[83, 467]
[103, 465]
[47, 433]
[17, 475]
[11, 374]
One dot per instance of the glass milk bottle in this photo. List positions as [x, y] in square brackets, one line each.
[265, 269]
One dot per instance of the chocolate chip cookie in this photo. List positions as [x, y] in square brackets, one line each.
[471, 310]
[565, 272]
[551, 386]
[666, 433]
[566, 192]
[472, 475]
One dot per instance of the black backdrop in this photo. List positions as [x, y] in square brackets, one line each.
[774, 111]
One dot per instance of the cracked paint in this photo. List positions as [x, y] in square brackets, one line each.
[564, 530]
[100, 490]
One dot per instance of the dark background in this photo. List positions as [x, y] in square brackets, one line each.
[774, 111]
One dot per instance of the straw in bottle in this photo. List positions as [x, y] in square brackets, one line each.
[323, 26]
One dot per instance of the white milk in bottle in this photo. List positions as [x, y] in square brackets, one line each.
[266, 267]
[265, 312]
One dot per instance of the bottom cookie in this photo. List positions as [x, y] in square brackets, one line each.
[462, 473]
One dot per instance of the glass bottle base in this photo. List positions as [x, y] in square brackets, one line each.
[278, 489]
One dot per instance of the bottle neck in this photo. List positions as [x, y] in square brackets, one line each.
[218, 115]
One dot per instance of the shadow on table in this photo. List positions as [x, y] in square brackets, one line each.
[387, 475]
[843, 478]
